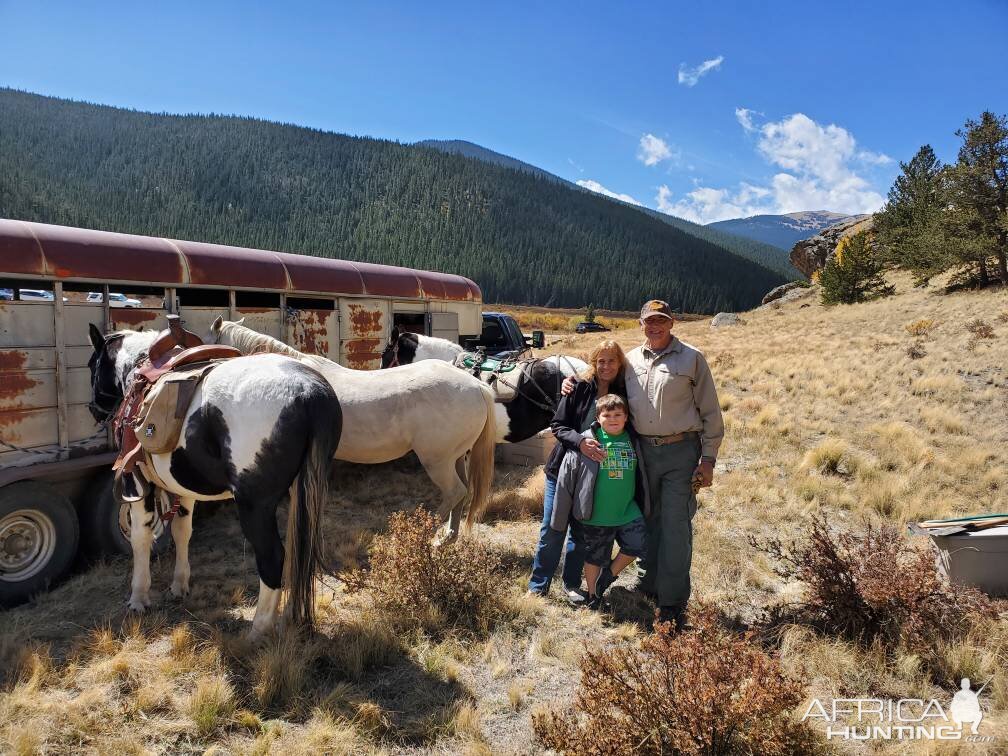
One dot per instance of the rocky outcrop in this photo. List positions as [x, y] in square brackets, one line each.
[726, 319]
[780, 291]
[798, 292]
[810, 255]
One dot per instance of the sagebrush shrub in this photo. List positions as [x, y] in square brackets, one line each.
[420, 586]
[705, 691]
[980, 329]
[872, 585]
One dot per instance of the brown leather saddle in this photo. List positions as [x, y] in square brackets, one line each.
[176, 353]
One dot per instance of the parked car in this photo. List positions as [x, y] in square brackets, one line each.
[36, 295]
[589, 327]
[501, 337]
[6, 294]
[115, 299]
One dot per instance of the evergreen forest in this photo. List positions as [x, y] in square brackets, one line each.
[524, 238]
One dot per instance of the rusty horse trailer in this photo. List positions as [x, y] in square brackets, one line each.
[55, 485]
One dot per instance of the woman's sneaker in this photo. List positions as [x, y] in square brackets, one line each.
[576, 597]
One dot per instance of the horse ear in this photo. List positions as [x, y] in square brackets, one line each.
[394, 336]
[97, 338]
[216, 326]
[240, 322]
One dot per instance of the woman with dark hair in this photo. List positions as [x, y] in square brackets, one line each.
[574, 415]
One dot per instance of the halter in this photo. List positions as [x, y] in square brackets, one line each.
[99, 395]
[395, 354]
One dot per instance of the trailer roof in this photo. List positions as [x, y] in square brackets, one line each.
[48, 251]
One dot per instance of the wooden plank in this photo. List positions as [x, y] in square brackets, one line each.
[78, 385]
[27, 324]
[261, 319]
[29, 428]
[18, 360]
[76, 321]
[28, 389]
[61, 367]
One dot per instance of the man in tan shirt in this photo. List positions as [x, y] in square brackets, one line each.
[675, 409]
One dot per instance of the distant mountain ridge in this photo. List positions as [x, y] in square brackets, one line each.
[769, 256]
[254, 183]
[783, 231]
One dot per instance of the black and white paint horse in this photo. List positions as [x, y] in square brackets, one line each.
[257, 429]
[536, 382]
[443, 415]
[405, 348]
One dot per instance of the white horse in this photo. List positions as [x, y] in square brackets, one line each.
[534, 387]
[256, 429]
[439, 412]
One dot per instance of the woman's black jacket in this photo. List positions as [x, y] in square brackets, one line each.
[570, 416]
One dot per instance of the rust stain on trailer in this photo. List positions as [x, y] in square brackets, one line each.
[12, 359]
[364, 322]
[130, 316]
[361, 354]
[14, 387]
[310, 333]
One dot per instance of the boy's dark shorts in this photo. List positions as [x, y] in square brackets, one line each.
[597, 540]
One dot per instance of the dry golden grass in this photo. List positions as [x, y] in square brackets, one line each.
[825, 411]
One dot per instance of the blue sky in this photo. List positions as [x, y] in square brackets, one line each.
[705, 110]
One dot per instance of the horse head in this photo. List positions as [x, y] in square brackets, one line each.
[112, 363]
[390, 355]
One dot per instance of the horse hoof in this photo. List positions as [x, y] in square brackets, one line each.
[138, 606]
[179, 590]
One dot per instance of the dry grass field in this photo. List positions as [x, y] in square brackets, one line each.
[891, 411]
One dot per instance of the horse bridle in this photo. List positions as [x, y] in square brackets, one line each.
[98, 394]
[394, 346]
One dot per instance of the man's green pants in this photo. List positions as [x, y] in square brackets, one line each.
[666, 565]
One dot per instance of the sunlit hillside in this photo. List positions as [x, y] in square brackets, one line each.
[892, 411]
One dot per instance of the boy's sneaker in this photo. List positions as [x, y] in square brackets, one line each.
[676, 615]
[576, 597]
[604, 580]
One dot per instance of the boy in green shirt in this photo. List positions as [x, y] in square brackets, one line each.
[606, 499]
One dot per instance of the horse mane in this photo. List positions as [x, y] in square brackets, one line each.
[247, 341]
[438, 341]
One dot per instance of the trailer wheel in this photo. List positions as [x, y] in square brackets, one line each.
[38, 539]
[106, 523]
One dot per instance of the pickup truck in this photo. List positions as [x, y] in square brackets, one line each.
[502, 338]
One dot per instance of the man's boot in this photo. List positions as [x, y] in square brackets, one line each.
[674, 614]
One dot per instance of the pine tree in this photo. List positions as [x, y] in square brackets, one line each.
[980, 185]
[907, 228]
[854, 273]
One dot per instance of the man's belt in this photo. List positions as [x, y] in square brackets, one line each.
[673, 439]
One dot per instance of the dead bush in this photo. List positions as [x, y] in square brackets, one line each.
[872, 586]
[916, 350]
[724, 361]
[980, 329]
[419, 586]
[706, 691]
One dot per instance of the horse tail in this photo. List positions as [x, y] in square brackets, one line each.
[309, 495]
[481, 460]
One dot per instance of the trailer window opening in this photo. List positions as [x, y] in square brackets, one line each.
[256, 299]
[203, 298]
[413, 322]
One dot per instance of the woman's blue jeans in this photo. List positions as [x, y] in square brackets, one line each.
[551, 547]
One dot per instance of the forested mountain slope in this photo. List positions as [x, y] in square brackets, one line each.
[767, 255]
[524, 239]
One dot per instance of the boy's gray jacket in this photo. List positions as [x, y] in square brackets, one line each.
[575, 488]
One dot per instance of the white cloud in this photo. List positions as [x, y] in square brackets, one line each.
[690, 76]
[819, 173]
[744, 117]
[653, 150]
[595, 186]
